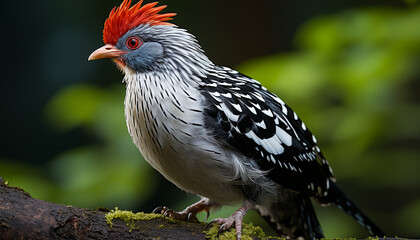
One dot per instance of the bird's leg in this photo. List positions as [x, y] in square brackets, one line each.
[236, 218]
[189, 213]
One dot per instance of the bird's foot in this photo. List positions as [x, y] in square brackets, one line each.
[188, 214]
[236, 218]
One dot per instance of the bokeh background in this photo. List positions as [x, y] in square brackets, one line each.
[350, 69]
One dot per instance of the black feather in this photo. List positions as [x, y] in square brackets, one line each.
[292, 216]
[340, 199]
[298, 166]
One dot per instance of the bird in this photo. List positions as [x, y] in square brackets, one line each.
[215, 132]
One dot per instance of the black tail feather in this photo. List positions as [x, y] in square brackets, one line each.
[293, 216]
[309, 219]
[340, 199]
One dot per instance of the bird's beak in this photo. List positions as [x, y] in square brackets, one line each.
[107, 51]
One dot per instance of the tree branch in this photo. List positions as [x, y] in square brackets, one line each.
[23, 217]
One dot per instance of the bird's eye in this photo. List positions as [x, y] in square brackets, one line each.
[133, 43]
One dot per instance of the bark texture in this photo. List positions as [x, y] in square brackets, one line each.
[23, 217]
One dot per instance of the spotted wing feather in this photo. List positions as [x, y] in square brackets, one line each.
[244, 115]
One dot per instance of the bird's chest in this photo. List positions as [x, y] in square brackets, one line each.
[166, 124]
[161, 119]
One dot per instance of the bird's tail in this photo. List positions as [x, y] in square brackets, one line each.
[293, 216]
[340, 199]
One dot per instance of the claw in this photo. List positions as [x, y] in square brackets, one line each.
[158, 209]
[221, 228]
[207, 216]
[236, 218]
[188, 214]
[166, 213]
[211, 222]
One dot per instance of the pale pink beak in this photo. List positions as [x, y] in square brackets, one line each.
[107, 51]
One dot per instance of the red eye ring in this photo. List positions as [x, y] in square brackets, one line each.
[133, 43]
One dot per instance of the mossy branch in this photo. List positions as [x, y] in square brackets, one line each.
[23, 217]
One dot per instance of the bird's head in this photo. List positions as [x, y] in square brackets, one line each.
[140, 39]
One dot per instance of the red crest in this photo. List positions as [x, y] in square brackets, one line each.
[123, 18]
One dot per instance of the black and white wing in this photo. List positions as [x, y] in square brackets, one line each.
[242, 113]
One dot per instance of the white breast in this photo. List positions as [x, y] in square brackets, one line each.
[165, 120]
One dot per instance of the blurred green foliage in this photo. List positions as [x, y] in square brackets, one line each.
[354, 79]
[105, 174]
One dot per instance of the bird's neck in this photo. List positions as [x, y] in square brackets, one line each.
[166, 80]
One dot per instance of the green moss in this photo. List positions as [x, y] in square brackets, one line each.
[129, 217]
[378, 238]
[338, 239]
[249, 231]
[369, 238]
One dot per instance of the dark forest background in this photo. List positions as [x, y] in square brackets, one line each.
[350, 69]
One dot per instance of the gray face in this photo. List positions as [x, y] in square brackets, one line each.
[163, 48]
[145, 58]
